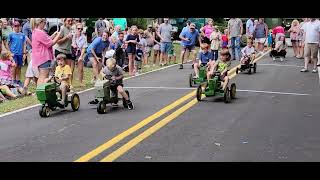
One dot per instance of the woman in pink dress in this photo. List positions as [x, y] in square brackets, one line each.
[42, 52]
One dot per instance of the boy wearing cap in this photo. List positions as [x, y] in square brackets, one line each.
[17, 45]
[188, 42]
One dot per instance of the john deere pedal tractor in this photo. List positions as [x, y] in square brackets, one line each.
[202, 77]
[249, 65]
[47, 94]
[104, 95]
[213, 87]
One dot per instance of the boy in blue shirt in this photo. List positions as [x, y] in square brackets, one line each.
[205, 58]
[17, 45]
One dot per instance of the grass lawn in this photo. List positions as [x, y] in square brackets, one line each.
[32, 100]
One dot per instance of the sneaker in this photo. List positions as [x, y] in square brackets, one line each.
[181, 66]
[192, 66]
[304, 70]
[130, 105]
[314, 70]
[93, 81]
[136, 74]
[61, 105]
[95, 101]
[273, 58]
[281, 59]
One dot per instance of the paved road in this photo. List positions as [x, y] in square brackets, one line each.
[274, 118]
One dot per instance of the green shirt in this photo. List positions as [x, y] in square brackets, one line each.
[65, 47]
[6, 32]
[223, 65]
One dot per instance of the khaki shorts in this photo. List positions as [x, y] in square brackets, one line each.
[261, 40]
[311, 50]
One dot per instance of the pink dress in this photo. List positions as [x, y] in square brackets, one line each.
[41, 48]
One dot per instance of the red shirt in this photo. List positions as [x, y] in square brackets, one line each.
[278, 29]
[224, 38]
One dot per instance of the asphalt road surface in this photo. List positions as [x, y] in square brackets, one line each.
[275, 117]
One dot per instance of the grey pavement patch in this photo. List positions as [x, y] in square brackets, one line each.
[274, 92]
[280, 65]
[241, 90]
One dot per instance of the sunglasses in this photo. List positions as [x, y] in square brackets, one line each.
[80, 28]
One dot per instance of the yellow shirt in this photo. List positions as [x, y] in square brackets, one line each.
[62, 72]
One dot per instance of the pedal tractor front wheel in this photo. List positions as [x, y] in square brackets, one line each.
[199, 92]
[44, 111]
[124, 102]
[226, 96]
[233, 91]
[102, 107]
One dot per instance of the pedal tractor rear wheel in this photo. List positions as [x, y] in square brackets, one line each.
[75, 102]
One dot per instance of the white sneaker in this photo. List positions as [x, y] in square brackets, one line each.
[314, 71]
[93, 81]
[274, 58]
[281, 59]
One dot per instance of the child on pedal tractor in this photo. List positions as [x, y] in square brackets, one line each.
[280, 49]
[248, 53]
[205, 58]
[114, 73]
[63, 76]
[222, 65]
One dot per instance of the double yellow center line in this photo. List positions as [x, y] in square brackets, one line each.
[126, 147]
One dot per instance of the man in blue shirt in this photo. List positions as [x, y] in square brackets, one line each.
[205, 58]
[17, 46]
[96, 53]
[188, 42]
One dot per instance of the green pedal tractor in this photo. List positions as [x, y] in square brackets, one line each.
[104, 95]
[213, 87]
[48, 93]
[202, 77]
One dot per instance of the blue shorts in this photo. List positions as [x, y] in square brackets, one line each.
[46, 65]
[165, 47]
[131, 49]
[18, 59]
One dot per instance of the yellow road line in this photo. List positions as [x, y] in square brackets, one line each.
[134, 128]
[123, 149]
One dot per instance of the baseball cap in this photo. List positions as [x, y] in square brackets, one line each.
[192, 25]
[165, 19]
[16, 23]
[149, 26]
